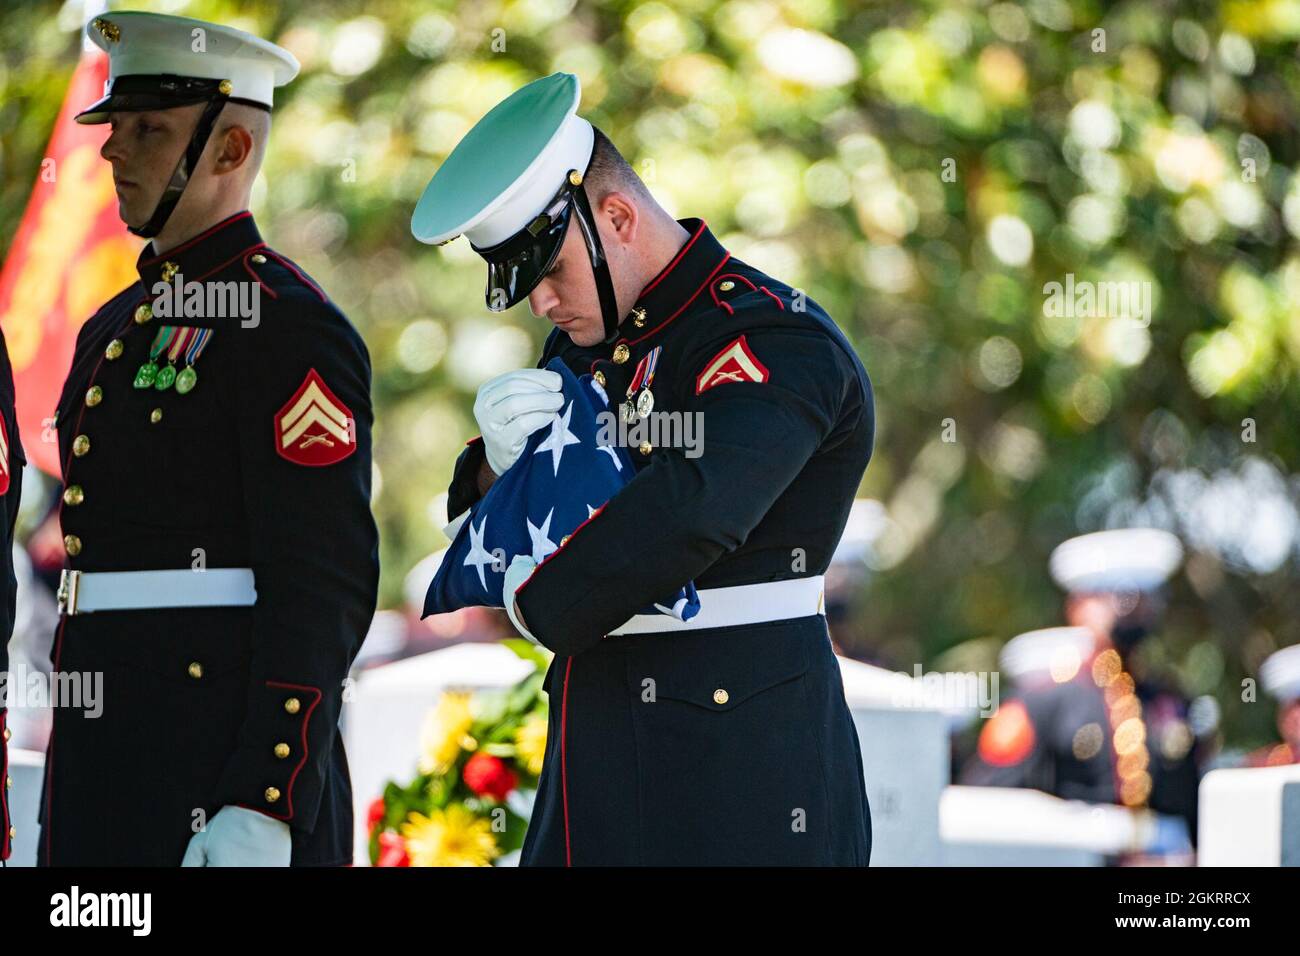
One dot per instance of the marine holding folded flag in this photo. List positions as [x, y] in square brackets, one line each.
[725, 738]
[221, 555]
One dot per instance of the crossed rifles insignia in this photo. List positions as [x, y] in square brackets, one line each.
[314, 427]
[735, 363]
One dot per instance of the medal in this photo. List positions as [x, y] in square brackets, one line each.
[147, 373]
[627, 412]
[644, 402]
[179, 343]
[188, 378]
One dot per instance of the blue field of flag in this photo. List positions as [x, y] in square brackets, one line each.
[559, 481]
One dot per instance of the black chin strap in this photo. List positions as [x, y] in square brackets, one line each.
[171, 195]
[599, 264]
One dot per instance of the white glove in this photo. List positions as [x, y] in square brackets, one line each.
[511, 407]
[237, 836]
[520, 570]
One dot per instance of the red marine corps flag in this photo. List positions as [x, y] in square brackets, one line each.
[70, 255]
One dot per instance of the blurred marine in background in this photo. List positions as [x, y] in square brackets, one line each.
[1085, 724]
[221, 563]
[725, 739]
[1280, 676]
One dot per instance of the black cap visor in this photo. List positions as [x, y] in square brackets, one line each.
[518, 264]
[136, 94]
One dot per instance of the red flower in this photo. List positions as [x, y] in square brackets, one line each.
[392, 850]
[375, 814]
[488, 776]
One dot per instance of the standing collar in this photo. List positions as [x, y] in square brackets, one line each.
[678, 284]
[203, 255]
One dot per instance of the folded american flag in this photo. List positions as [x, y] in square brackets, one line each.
[562, 478]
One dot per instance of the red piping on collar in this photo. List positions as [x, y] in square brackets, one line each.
[683, 306]
[199, 238]
[681, 253]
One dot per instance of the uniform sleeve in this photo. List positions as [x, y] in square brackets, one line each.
[680, 514]
[463, 491]
[305, 453]
[11, 498]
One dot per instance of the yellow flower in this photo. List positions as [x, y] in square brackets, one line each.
[451, 837]
[530, 743]
[440, 737]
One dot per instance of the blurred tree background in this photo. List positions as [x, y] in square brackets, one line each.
[922, 169]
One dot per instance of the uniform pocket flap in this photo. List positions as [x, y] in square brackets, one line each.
[721, 670]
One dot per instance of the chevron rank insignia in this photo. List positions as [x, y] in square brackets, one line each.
[314, 427]
[4, 457]
[735, 363]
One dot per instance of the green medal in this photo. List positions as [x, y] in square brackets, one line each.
[147, 373]
[187, 378]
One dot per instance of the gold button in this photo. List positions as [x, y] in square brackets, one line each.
[726, 285]
[621, 352]
[13, 832]
[8, 733]
[258, 258]
[272, 794]
[575, 177]
[224, 87]
[292, 704]
[143, 313]
[73, 495]
[94, 395]
[600, 378]
[638, 317]
[645, 448]
[72, 544]
[9, 783]
[169, 270]
[195, 670]
[155, 416]
[114, 349]
[565, 540]
[80, 445]
[720, 696]
[282, 750]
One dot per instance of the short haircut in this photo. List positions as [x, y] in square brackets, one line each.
[609, 172]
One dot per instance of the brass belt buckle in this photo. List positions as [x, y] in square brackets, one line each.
[67, 594]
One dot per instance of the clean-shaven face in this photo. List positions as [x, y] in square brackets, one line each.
[144, 149]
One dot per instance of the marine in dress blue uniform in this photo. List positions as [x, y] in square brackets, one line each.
[1279, 675]
[724, 740]
[12, 461]
[222, 562]
[1085, 723]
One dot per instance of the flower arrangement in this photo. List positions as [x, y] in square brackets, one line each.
[480, 757]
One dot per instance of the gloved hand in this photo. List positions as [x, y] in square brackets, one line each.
[511, 407]
[520, 570]
[237, 836]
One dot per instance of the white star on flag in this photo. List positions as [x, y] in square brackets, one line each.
[541, 538]
[559, 437]
[609, 449]
[478, 555]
